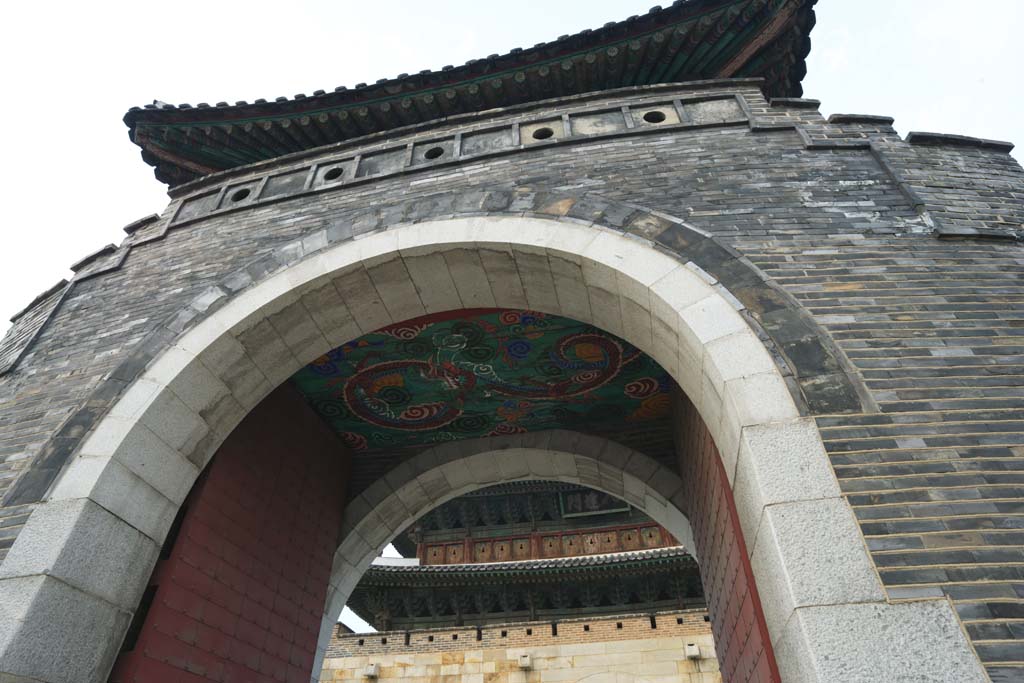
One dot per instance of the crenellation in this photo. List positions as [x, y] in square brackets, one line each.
[625, 643]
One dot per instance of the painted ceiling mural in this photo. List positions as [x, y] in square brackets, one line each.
[475, 373]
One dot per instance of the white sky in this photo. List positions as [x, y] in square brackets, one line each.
[350, 618]
[71, 179]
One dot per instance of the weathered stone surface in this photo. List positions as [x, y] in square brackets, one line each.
[915, 642]
[85, 546]
[33, 611]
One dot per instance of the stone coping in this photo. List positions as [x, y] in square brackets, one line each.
[922, 138]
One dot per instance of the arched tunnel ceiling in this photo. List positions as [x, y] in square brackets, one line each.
[482, 372]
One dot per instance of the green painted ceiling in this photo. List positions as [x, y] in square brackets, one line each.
[486, 372]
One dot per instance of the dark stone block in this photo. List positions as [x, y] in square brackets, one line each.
[788, 326]
[1000, 652]
[393, 214]
[522, 201]
[810, 357]
[648, 226]
[431, 206]
[826, 394]
[617, 215]
[862, 119]
[365, 221]
[496, 200]
[920, 138]
[1006, 610]
[761, 299]
[678, 238]
[1005, 674]
[735, 274]
[261, 267]
[588, 209]
[237, 281]
[288, 254]
[552, 204]
[470, 202]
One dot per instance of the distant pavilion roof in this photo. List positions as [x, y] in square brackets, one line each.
[528, 570]
[690, 40]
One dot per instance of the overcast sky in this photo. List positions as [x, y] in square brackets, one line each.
[71, 178]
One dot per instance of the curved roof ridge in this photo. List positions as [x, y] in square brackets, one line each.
[689, 40]
[595, 560]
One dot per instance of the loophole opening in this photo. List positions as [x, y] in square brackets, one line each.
[654, 117]
[434, 153]
[542, 133]
[239, 195]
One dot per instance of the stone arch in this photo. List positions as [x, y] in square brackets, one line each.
[133, 471]
[374, 517]
[819, 375]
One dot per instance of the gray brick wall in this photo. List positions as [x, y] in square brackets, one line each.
[905, 254]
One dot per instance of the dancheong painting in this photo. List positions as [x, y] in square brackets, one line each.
[482, 372]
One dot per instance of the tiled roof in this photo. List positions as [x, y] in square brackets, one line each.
[690, 40]
[456, 573]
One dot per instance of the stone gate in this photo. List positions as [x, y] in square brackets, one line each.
[838, 310]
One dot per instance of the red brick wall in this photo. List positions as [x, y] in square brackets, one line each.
[737, 622]
[240, 594]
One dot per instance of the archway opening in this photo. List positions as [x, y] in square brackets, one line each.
[505, 395]
[578, 581]
[526, 550]
[136, 467]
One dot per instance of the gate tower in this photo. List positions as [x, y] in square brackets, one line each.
[634, 259]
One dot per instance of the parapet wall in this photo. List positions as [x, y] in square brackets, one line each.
[647, 647]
